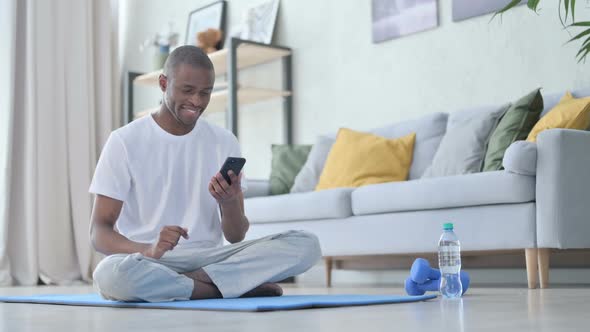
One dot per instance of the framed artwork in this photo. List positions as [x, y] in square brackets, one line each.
[395, 18]
[258, 23]
[201, 19]
[464, 9]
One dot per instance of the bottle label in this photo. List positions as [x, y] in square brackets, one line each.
[449, 259]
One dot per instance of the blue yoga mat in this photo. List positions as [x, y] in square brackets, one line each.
[286, 302]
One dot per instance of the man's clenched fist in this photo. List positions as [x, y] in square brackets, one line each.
[168, 239]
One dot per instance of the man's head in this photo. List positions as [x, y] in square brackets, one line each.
[187, 82]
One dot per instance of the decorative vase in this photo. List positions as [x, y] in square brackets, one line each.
[160, 57]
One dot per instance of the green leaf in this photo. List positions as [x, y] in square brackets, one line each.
[573, 8]
[586, 42]
[532, 4]
[583, 56]
[580, 35]
[566, 4]
[582, 49]
[512, 4]
[580, 24]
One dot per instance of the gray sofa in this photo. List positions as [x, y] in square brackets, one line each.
[500, 211]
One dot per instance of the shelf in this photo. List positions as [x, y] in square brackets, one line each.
[248, 55]
[218, 103]
[150, 79]
[246, 95]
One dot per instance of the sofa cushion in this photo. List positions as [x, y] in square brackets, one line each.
[325, 204]
[551, 100]
[498, 187]
[521, 158]
[463, 147]
[256, 187]
[309, 176]
[569, 113]
[287, 161]
[417, 231]
[429, 130]
[359, 159]
[515, 125]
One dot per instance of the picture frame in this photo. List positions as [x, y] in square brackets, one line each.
[396, 18]
[466, 9]
[257, 24]
[211, 16]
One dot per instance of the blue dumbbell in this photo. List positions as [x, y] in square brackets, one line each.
[414, 288]
[421, 271]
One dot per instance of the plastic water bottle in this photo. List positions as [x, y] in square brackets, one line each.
[449, 262]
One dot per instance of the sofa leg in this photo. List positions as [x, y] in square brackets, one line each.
[532, 271]
[329, 264]
[543, 254]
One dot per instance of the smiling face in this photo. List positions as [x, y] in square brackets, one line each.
[187, 93]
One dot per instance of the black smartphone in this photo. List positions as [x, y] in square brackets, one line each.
[234, 164]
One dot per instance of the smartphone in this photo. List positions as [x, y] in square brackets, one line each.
[234, 164]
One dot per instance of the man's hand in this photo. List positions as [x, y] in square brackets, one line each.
[222, 191]
[168, 239]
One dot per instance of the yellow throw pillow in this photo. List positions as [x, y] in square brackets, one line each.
[569, 113]
[357, 159]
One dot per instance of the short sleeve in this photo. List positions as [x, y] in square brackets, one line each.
[112, 177]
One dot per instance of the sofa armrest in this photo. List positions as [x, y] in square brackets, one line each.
[563, 189]
[257, 188]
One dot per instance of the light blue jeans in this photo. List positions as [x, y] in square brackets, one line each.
[234, 269]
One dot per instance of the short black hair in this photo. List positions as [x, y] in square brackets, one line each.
[187, 54]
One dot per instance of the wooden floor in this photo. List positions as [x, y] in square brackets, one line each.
[482, 309]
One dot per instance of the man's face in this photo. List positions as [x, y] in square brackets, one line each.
[187, 93]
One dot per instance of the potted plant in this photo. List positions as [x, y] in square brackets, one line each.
[569, 8]
[163, 42]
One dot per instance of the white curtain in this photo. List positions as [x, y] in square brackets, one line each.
[65, 103]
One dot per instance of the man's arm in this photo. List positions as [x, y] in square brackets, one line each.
[233, 220]
[234, 223]
[104, 238]
[107, 241]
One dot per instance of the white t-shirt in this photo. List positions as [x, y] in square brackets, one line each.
[163, 179]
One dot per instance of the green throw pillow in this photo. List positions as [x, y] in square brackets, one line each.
[515, 125]
[287, 161]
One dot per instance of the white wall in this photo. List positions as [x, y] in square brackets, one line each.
[342, 79]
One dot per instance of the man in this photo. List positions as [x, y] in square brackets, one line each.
[158, 182]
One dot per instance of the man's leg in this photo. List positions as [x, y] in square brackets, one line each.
[242, 269]
[263, 261]
[133, 277]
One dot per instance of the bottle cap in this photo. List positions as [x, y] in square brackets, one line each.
[448, 226]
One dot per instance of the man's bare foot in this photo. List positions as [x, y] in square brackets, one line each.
[266, 289]
[203, 286]
[199, 275]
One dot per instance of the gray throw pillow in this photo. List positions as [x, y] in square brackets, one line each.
[307, 179]
[463, 147]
